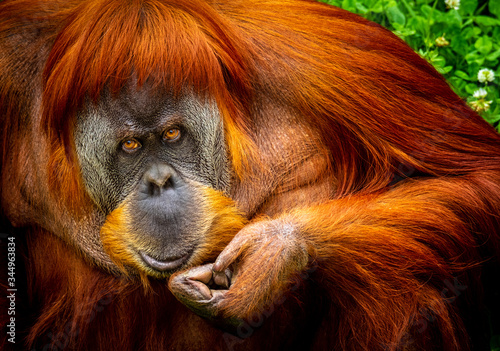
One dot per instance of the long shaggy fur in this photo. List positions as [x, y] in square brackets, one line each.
[399, 209]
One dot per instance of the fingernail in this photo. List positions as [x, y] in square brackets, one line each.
[221, 279]
[202, 274]
[217, 267]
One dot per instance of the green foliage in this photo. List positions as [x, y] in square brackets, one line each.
[458, 42]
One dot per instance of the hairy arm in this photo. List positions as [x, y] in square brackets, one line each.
[383, 260]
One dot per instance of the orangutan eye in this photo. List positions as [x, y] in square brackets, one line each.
[131, 145]
[172, 134]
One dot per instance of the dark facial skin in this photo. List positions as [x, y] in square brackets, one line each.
[153, 153]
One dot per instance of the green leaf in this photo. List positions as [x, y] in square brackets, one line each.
[474, 57]
[419, 24]
[433, 13]
[493, 56]
[487, 21]
[427, 11]
[395, 15]
[472, 69]
[377, 7]
[471, 88]
[484, 44]
[349, 5]
[402, 31]
[446, 69]
[494, 7]
[471, 32]
[466, 23]
[439, 61]
[467, 7]
[432, 55]
[462, 74]
[496, 32]
[361, 8]
[458, 85]
[452, 18]
[459, 45]
[492, 119]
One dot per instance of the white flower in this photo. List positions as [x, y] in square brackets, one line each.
[481, 105]
[452, 4]
[480, 93]
[485, 75]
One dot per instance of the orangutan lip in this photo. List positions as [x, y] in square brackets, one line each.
[164, 265]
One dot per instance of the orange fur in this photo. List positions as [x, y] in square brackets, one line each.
[336, 130]
[115, 236]
[225, 221]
